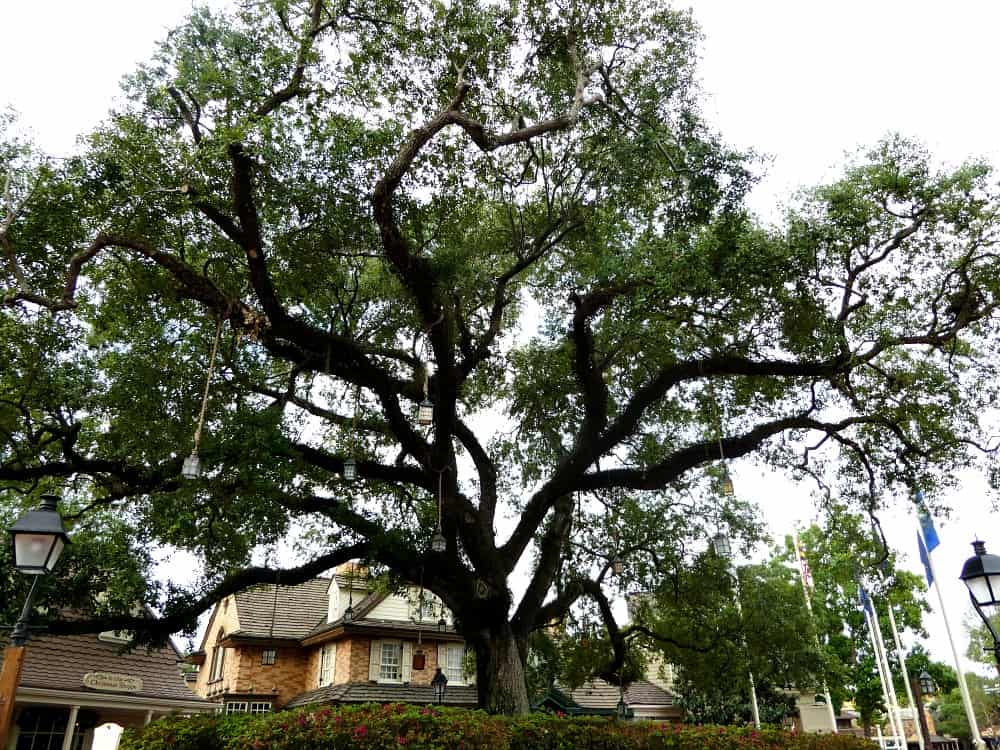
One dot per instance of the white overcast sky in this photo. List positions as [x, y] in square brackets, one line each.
[802, 82]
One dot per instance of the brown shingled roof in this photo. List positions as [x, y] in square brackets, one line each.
[60, 662]
[601, 694]
[363, 607]
[293, 613]
[370, 692]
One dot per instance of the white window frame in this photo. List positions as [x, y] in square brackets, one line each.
[218, 666]
[456, 675]
[247, 707]
[384, 675]
[268, 657]
[327, 664]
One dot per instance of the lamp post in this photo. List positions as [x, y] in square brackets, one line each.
[922, 685]
[981, 574]
[440, 683]
[38, 538]
[723, 550]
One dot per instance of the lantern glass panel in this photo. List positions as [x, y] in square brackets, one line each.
[36, 553]
[994, 580]
[350, 469]
[980, 589]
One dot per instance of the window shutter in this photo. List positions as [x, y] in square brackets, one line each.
[407, 665]
[375, 660]
[333, 662]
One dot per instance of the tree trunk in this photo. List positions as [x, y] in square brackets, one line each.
[500, 671]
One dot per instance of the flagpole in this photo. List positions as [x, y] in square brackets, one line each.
[970, 715]
[880, 668]
[899, 729]
[906, 675]
[809, 609]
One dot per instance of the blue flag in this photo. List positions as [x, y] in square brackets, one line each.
[926, 524]
[925, 559]
[866, 602]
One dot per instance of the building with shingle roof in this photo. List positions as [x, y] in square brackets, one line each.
[330, 640]
[71, 684]
[641, 699]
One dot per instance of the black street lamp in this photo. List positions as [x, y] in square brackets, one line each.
[38, 538]
[981, 574]
[440, 683]
[927, 686]
[923, 685]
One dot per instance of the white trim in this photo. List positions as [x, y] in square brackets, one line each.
[328, 658]
[49, 696]
[381, 664]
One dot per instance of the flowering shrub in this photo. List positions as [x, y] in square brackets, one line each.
[407, 727]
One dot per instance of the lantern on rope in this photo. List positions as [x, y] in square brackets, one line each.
[728, 489]
[350, 469]
[425, 410]
[438, 542]
[351, 463]
[617, 565]
[191, 469]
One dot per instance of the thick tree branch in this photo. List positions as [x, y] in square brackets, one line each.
[588, 448]
[551, 547]
[183, 615]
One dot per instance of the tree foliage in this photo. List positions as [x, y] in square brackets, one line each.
[517, 210]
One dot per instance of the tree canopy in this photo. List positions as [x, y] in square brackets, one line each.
[516, 213]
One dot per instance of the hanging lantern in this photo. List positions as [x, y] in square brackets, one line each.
[425, 412]
[350, 469]
[192, 466]
[349, 614]
[438, 542]
[721, 546]
[617, 566]
[727, 482]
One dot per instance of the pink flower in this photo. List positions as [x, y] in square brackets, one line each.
[401, 740]
[361, 731]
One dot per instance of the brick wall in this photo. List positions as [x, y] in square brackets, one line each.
[296, 670]
[224, 619]
[285, 679]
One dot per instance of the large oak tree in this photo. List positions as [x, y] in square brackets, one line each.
[517, 211]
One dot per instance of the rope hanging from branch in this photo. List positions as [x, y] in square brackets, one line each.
[192, 464]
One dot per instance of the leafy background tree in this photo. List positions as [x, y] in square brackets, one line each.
[949, 711]
[516, 212]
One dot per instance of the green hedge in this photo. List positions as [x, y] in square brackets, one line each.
[406, 727]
